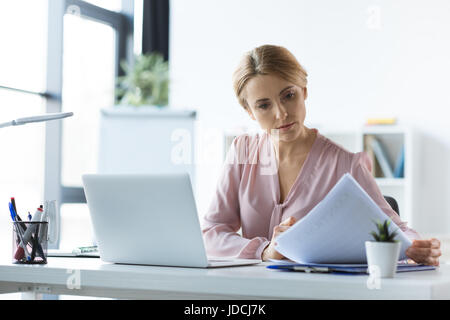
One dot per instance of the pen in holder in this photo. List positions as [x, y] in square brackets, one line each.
[30, 242]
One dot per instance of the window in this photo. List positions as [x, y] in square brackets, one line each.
[88, 86]
[22, 83]
[22, 169]
[23, 53]
[83, 42]
[91, 38]
[89, 62]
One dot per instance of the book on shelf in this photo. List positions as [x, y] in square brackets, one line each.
[376, 170]
[375, 150]
[381, 121]
[399, 171]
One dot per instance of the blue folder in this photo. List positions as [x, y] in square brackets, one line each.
[342, 268]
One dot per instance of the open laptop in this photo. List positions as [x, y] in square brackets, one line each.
[148, 219]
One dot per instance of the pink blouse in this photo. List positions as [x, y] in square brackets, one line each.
[248, 193]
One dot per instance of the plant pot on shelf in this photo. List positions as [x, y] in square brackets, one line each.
[382, 258]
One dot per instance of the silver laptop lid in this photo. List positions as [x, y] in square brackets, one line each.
[145, 219]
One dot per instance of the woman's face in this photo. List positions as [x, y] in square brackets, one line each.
[277, 105]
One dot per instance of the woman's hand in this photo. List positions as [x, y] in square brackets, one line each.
[270, 252]
[425, 251]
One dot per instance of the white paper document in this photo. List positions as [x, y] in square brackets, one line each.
[336, 229]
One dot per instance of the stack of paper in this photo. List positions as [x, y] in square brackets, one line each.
[336, 229]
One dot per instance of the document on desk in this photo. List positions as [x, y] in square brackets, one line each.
[336, 229]
[341, 268]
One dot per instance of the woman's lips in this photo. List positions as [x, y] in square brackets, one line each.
[286, 126]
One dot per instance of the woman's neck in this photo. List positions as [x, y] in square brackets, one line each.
[292, 150]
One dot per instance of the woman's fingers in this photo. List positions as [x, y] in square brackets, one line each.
[283, 226]
[279, 229]
[431, 261]
[428, 256]
[430, 243]
[288, 222]
[423, 252]
[435, 243]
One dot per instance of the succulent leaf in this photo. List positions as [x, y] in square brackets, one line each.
[383, 233]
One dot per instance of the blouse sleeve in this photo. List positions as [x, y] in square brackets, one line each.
[222, 221]
[361, 170]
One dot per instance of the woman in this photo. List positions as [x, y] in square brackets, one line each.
[273, 179]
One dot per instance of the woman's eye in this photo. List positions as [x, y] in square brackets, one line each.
[290, 95]
[263, 106]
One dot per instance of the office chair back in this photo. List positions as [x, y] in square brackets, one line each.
[393, 203]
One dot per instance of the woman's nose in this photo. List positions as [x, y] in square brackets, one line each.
[281, 112]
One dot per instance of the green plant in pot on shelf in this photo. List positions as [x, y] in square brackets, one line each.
[144, 83]
[383, 252]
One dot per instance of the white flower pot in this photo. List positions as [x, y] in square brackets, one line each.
[382, 258]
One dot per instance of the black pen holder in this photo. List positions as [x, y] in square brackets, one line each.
[30, 242]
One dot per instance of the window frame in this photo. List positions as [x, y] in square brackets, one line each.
[122, 23]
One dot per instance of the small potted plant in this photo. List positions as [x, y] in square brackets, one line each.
[143, 124]
[146, 83]
[383, 252]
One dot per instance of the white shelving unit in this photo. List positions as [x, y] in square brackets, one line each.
[392, 138]
[135, 140]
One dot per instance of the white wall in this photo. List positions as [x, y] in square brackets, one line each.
[364, 59]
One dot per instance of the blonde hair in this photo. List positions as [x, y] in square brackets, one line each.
[265, 60]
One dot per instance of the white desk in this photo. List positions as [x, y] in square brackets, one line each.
[252, 282]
